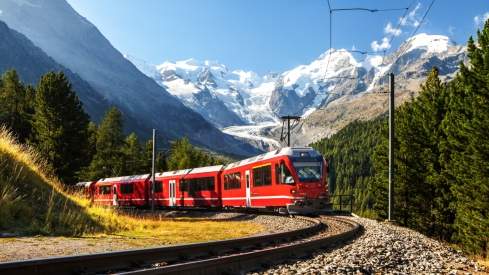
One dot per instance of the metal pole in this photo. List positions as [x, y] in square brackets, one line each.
[288, 132]
[153, 172]
[391, 144]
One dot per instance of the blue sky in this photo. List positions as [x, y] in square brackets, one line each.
[267, 35]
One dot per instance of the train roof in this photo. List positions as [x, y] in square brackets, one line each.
[83, 184]
[125, 178]
[198, 170]
[286, 151]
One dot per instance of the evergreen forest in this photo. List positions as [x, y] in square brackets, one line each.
[50, 118]
[441, 184]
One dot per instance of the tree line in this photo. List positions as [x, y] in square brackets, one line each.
[50, 118]
[441, 157]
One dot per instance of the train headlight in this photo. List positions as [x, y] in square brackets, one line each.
[293, 191]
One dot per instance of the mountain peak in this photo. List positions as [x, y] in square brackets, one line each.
[430, 43]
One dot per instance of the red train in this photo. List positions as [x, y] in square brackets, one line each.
[291, 180]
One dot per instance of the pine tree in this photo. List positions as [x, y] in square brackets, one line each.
[60, 126]
[92, 139]
[160, 161]
[109, 156]
[430, 108]
[133, 155]
[182, 155]
[466, 151]
[15, 105]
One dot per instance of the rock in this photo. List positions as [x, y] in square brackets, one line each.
[383, 248]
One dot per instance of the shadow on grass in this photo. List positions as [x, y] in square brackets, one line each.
[30, 204]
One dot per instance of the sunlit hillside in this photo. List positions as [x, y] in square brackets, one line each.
[33, 202]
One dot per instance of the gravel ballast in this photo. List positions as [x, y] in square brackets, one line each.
[21, 248]
[383, 248]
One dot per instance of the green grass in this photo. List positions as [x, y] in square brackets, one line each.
[33, 202]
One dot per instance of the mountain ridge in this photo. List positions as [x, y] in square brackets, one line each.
[307, 90]
[72, 41]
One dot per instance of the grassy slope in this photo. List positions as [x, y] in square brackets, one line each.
[32, 202]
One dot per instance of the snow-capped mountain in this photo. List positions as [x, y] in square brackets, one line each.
[410, 64]
[236, 100]
[222, 96]
[308, 87]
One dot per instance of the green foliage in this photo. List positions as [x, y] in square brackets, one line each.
[183, 155]
[349, 153]
[60, 126]
[133, 161]
[108, 160]
[160, 159]
[466, 149]
[32, 203]
[441, 184]
[16, 108]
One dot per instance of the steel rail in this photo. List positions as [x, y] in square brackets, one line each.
[140, 258]
[249, 261]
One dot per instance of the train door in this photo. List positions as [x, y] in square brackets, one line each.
[248, 188]
[114, 196]
[172, 195]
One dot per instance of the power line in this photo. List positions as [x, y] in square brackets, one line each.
[424, 16]
[330, 51]
[398, 28]
[418, 26]
[369, 10]
[330, 38]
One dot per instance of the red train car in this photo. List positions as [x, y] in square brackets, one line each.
[122, 191]
[292, 180]
[288, 179]
[197, 187]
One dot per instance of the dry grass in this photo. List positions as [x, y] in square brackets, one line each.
[34, 202]
[482, 262]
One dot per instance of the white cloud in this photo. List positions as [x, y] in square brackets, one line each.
[389, 29]
[383, 45]
[479, 20]
[411, 18]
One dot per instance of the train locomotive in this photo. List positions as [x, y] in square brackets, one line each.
[289, 180]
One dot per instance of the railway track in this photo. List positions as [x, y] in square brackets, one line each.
[218, 257]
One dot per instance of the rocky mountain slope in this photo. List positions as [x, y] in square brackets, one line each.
[330, 92]
[19, 53]
[76, 44]
[223, 97]
[410, 65]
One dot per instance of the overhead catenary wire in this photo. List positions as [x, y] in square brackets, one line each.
[366, 53]
[401, 20]
[418, 26]
[330, 51]
[369, 10]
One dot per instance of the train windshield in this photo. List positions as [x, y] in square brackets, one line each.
[308, 171]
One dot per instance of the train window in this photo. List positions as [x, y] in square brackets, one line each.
[282, 174]
[197, 184]
[127, 188]
[262, 176]
[104, 190]
[232, 181]
[158, 187]
[183, 186]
